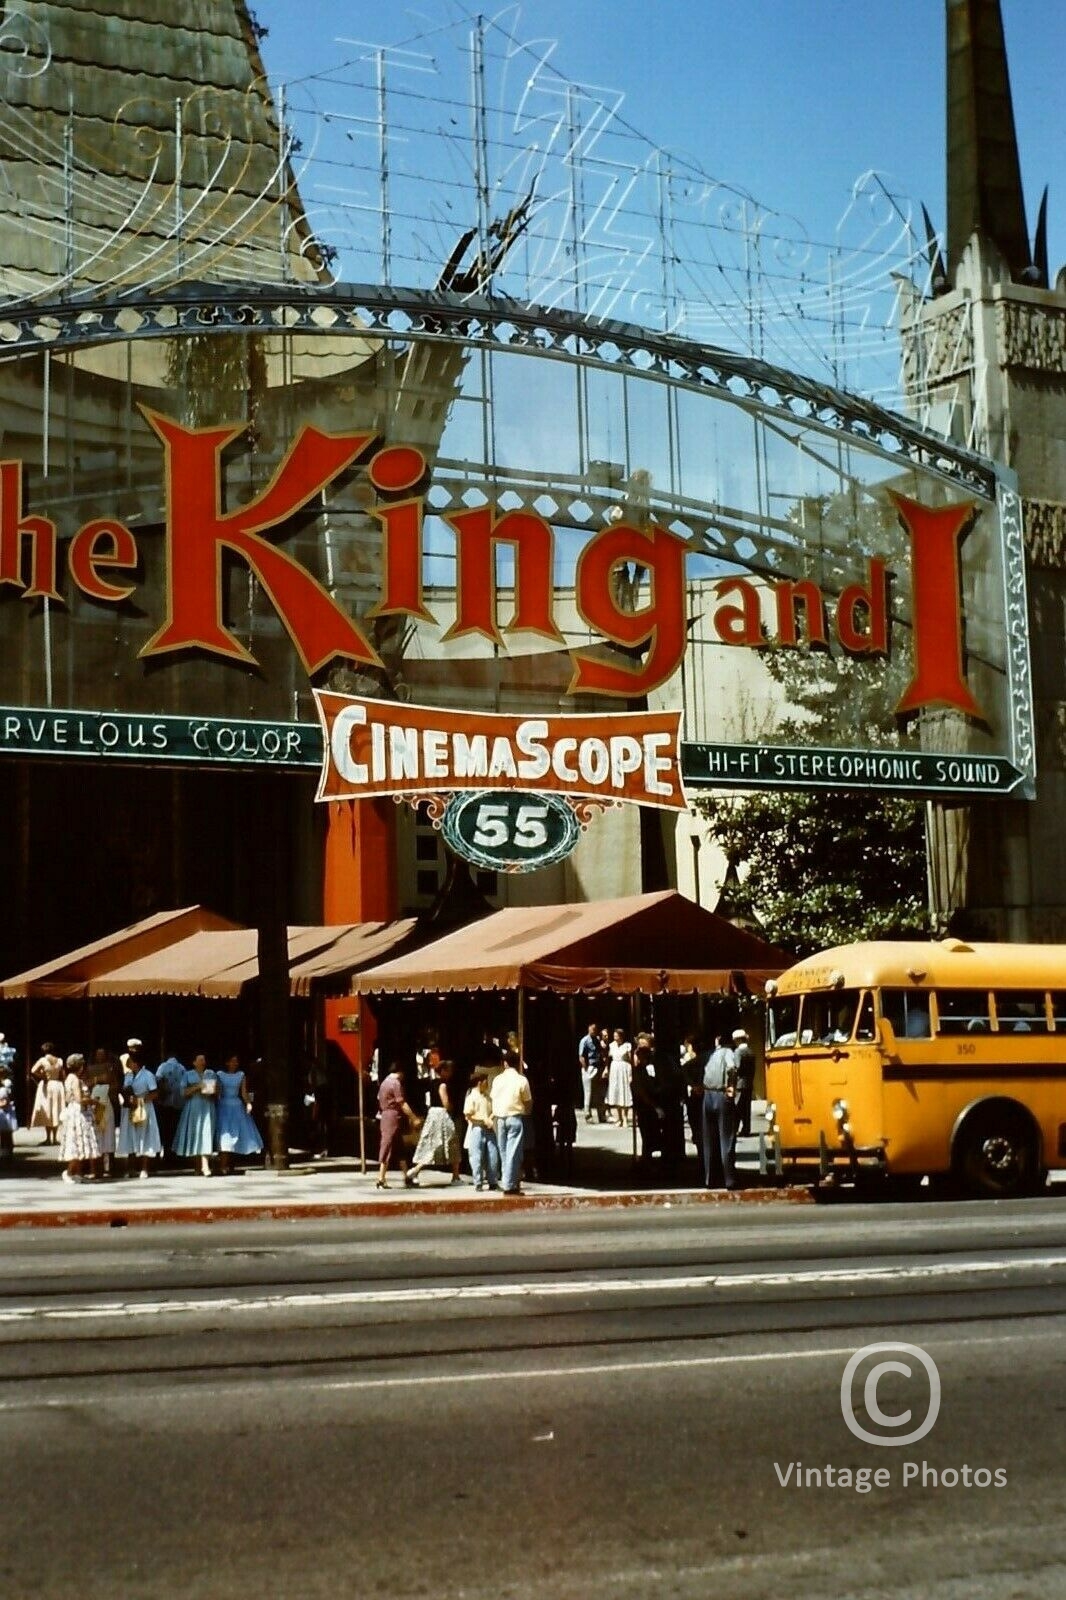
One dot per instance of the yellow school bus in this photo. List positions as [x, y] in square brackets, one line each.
[922, 1058]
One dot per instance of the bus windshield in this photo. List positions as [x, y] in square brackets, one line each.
[826, 1018]
[783, 1018]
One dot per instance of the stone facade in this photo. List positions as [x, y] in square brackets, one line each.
[987, 362]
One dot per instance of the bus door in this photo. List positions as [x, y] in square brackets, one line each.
[830, 1055]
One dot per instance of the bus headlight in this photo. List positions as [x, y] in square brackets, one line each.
[839, 1109]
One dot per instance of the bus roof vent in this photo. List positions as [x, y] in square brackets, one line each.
[957, 947]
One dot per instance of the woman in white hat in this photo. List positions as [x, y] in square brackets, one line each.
[138, 1133]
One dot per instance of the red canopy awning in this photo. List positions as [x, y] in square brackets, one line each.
[67, 977]
[217, 966]
[650, 944]
[195, 953]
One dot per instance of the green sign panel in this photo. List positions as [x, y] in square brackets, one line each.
[527, 841]
[509, 830]
[762, 766]
[203, 740]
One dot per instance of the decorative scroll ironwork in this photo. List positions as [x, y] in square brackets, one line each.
[415, 315]
[1019, 670]
[391, 158]
[25, 48]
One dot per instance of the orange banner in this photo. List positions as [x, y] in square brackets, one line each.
[376, 747]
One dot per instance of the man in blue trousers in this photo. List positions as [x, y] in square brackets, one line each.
[720, 1118]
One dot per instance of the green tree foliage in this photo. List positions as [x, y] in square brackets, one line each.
[819, 869]
[831, 697]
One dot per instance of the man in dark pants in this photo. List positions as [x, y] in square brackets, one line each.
[720, 1118]
[693, 1060]
[744, 1056]
[170, 1076]
[646, 1107]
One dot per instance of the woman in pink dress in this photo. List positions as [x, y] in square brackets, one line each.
[393, 1114]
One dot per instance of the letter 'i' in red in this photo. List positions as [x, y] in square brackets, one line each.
[936, 606]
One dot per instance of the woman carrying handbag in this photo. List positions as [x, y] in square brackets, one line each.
[394, 1115]
[138, 1133]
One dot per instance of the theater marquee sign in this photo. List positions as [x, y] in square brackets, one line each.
[914, 615]
[103, 555]
[510, 792]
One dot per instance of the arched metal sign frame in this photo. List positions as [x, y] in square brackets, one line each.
[490, 323]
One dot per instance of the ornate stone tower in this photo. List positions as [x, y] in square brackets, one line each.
[985, 361]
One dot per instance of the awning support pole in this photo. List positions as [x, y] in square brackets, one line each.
[634, 1020]
[359, 1086]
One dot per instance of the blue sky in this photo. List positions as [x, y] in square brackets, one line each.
[788, 99]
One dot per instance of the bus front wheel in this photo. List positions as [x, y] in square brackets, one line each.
[997, 1153]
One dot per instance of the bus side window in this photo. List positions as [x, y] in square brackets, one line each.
[1020, 1011]
[908, 1012]
[1058, 1011]
[963, 1011]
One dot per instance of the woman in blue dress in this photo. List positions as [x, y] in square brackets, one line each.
[237, 1133]
[196, 1135]
[138, 1133]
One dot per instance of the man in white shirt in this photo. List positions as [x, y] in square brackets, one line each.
[512, 1102]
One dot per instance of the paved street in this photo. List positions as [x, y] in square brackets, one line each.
[575, 1405]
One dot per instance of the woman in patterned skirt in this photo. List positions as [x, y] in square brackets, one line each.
[78, 1143]
[441, 1142]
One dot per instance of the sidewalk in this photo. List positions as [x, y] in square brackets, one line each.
[33, 1195]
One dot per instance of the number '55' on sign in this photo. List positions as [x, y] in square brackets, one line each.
[515, 832]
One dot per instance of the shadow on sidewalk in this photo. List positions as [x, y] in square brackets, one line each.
[601, 1162]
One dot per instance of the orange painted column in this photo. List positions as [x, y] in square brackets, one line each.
[360, 862]
[359, 886]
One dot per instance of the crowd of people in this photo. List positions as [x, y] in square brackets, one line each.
[491, 1121]
[116, 1110]
[501, 1120]
[506, 1116]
